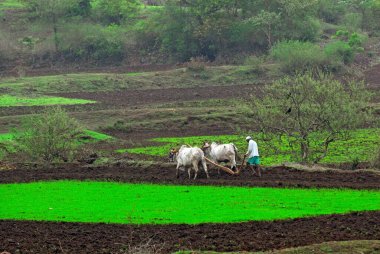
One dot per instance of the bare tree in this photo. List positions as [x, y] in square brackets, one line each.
[312, 112]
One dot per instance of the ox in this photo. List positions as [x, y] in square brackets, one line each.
[188, 157]
[221, 153]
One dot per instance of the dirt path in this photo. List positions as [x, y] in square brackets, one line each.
[49, 237]
[274, 177]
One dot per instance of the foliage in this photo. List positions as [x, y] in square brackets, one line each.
[375, 160]
[92, 43]
[51, 136]
[339, 51]
[303, 106]
[74, 201]
[297, 56]
[116, 11]
[196, 64]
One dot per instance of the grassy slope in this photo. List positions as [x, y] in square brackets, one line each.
[12, 101]
[89, 82]
[6, 140]
[10, 4]
[360, 146]
[145, 204]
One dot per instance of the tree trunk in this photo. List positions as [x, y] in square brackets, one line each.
[304, 151]
[55, 29]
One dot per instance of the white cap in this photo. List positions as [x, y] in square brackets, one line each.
[248, 138]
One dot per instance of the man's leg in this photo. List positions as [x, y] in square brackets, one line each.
[258, 170]
[252, 168]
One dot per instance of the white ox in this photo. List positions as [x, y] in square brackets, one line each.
[221, 153]
[189, 157]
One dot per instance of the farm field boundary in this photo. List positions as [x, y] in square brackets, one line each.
[272, 177]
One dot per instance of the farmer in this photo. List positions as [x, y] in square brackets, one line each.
[172, 154]
[253, 156]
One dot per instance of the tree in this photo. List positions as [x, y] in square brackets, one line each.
[52, 11]
[266, 21]
[312, 112]
[51, 136]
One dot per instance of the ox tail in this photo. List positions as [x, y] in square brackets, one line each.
[236, 152]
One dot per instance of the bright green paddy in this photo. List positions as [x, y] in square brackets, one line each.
[359, 146]
[12, 101]
[75, 201]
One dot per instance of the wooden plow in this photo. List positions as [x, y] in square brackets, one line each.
[225, 169]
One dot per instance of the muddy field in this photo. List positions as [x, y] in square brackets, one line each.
[272, 177]
[49, 237]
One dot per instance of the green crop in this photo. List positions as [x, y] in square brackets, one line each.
[11, 101]
[75, 201]
[358, 146]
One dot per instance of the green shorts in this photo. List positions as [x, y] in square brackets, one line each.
[255, 160]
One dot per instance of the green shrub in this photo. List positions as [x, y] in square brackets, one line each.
[375, 161]
[196, 64]
[339, 51]
[295, 56]
[256, 63]
[51, 136]
[93, 42]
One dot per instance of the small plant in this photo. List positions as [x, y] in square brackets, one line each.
[256, 63]
[51, 136]
[375, 161]
[196, 64]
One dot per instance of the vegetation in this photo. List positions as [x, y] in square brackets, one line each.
[12, 101]
[8, 144]
[304, 107]
[298, 56]
[102, 32]
[145, 204]
[359, 145]
[50, 136]
[93, 82]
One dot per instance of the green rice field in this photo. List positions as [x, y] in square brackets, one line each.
[359, 146]
[12, 101]
[74, 201]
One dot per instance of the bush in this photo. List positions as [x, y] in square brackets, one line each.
[116, 11]
[196, 64]
[375, 161]
[93, 42]
[256, 63]
[295, 56]
[51, 136]
[339, 50]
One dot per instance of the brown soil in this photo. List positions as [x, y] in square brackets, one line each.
[372, 76]
[273, 177]
[50, 237]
